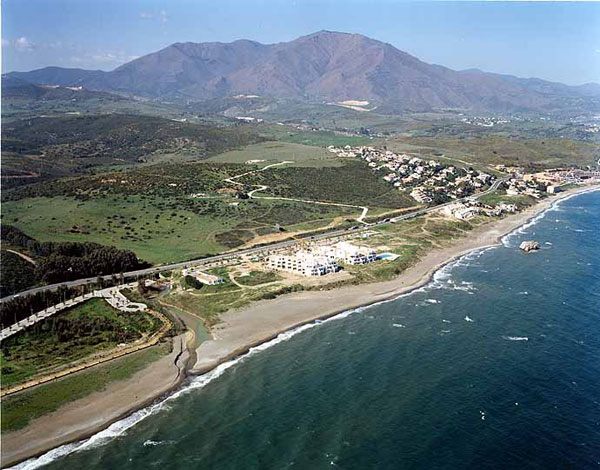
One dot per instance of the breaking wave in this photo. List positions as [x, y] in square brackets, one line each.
[440, 280]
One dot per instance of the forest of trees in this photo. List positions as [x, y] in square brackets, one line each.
[66, 261]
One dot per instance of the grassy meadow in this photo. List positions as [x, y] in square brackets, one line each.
[160, 230]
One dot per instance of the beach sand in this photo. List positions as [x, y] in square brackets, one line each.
[236, 334]
[87, 416]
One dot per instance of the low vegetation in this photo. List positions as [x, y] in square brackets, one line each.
[18, 410]
[74, 334]
[256, 278]
[75, 144]
[162, 230]
[508, 150]
[353, 183]
[270, 152]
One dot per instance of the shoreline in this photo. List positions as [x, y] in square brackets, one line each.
[263, 321]
[239, 330]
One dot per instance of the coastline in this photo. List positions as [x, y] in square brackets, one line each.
[247, 328]
[244, 329]
[82, 418]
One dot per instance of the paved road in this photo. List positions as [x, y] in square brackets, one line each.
[233, 254]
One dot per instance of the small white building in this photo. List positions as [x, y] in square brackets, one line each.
[461, 211]
[553, 189]
[204, 278]
[466, 213]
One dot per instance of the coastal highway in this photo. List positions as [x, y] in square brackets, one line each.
[248, 251]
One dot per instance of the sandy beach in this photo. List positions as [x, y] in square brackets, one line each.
[87, 416]
[240, 330]
[236, 334]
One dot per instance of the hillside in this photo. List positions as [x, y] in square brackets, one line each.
[41, 148]
[324, 66]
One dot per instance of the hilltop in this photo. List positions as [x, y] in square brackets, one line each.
[322, 67]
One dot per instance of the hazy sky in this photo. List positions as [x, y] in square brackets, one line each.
[554, 41]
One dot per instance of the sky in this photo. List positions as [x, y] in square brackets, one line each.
[558, 41]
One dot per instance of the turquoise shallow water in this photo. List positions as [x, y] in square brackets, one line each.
[495, 364]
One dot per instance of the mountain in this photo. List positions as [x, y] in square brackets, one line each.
[15, 88]
[324, 66]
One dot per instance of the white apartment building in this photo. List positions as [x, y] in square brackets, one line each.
[347, 253]
[304, 263]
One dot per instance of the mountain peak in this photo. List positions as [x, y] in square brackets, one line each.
[326, 65]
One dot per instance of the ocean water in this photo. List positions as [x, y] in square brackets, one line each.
[493, 365]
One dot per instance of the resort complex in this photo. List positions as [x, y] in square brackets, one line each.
[321, 260]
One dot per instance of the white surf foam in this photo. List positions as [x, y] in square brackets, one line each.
[120, 427]
[516, 338]
[555, 207]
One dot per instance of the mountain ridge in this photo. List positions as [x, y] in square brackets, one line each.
[325, 66]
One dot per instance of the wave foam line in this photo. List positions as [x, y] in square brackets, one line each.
[120, 427]
[555, 206]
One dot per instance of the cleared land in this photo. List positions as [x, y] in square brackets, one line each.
[301, 155]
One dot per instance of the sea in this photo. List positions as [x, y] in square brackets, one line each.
[495, 364]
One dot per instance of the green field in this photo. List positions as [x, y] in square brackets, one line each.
[158, 229]
[352, 183]
[81, 331]
[521, 201]
[256, 278]
[19, 409]
[316, 138]
[271, 152]
[495, 149]
[155, 235]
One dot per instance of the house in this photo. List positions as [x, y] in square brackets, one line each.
[553, 189]
[204, 278]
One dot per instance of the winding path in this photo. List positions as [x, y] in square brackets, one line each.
[246, 251]
[262, 187]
